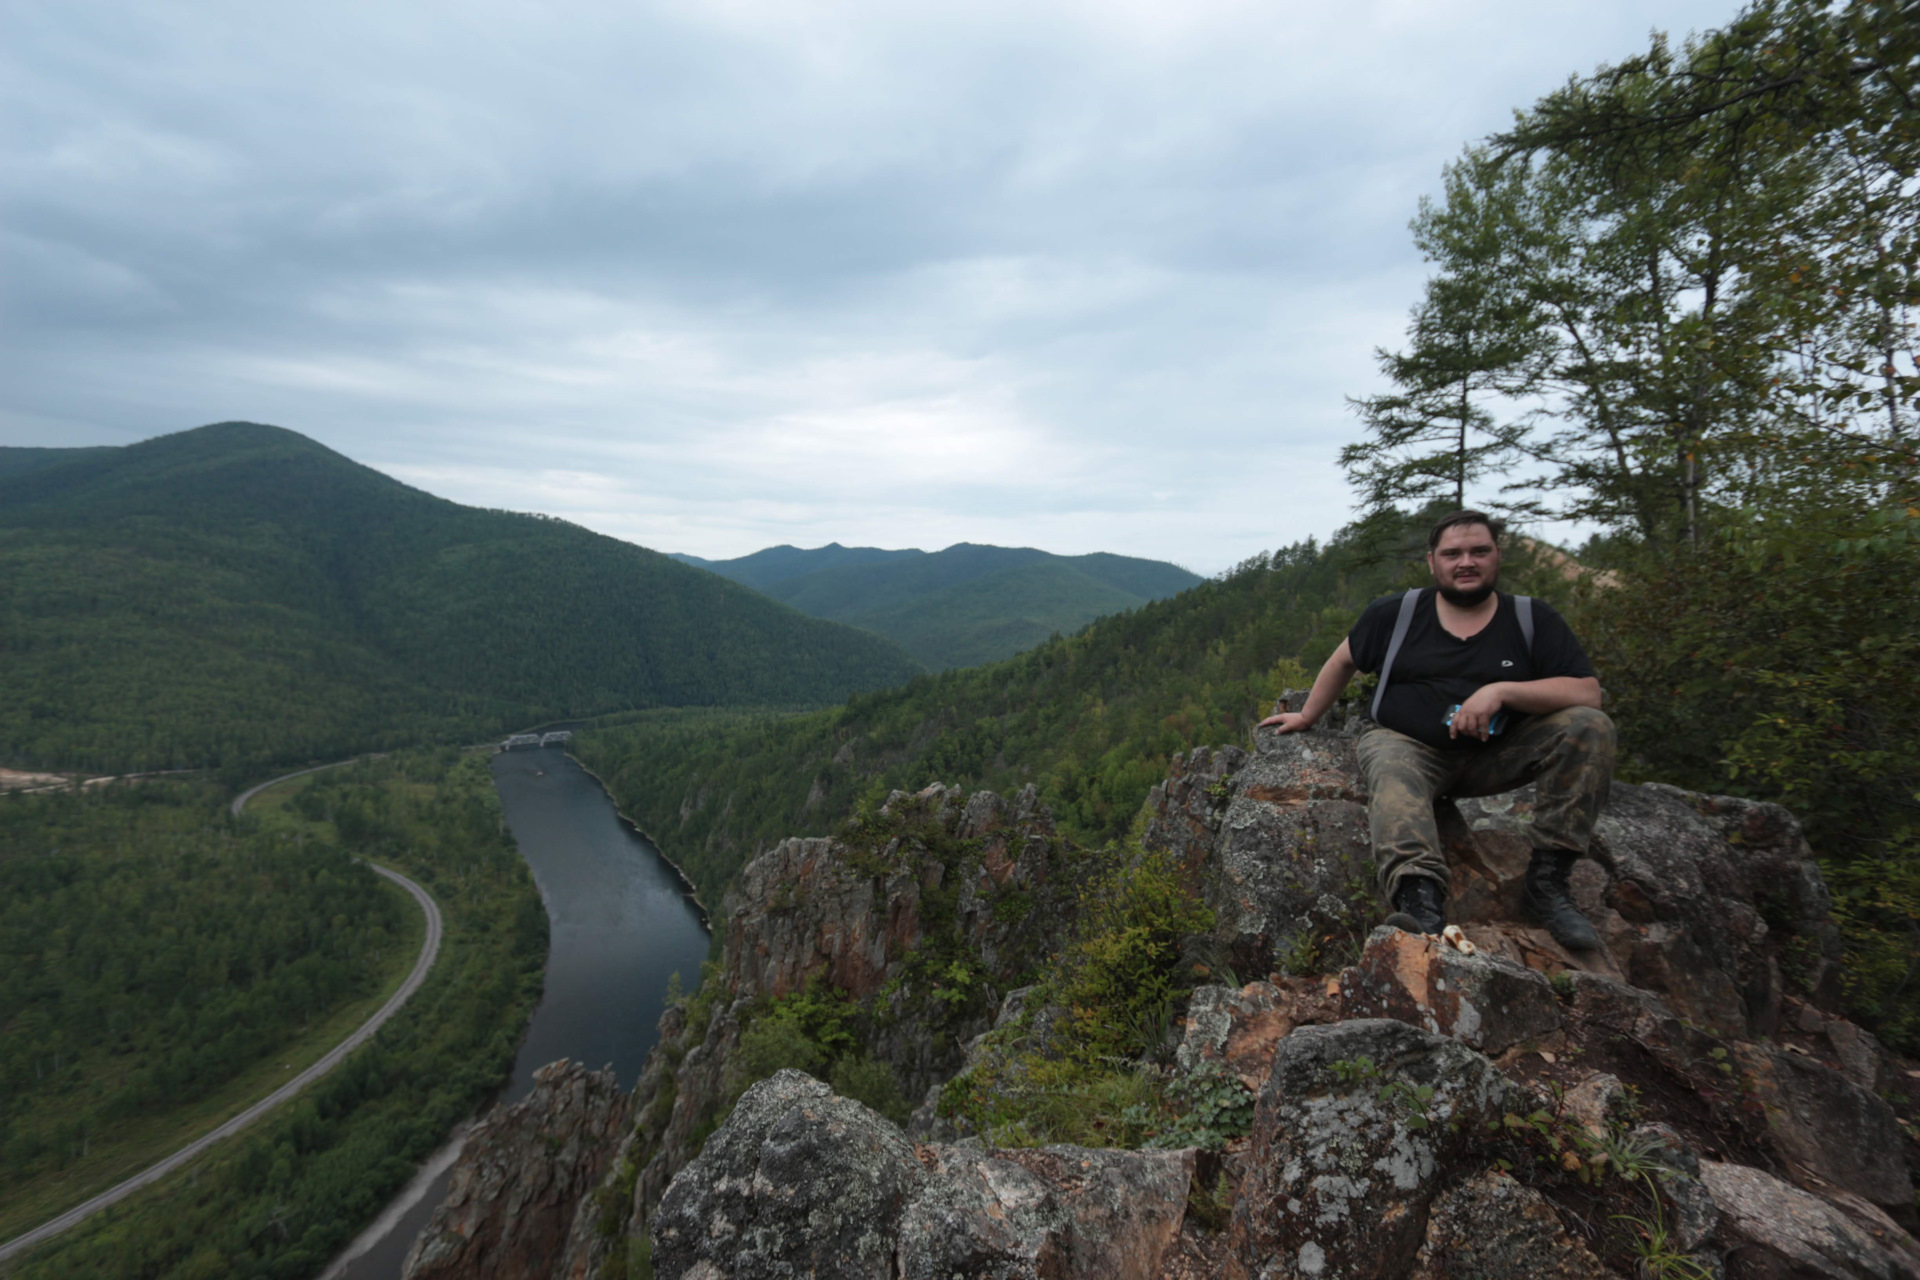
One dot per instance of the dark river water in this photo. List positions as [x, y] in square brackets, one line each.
[620, 925]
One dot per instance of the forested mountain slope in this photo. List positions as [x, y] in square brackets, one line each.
[765, 567]
[959, 607]
[238, 594]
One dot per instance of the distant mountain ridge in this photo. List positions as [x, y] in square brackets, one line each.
[239, 594]
[959, 607]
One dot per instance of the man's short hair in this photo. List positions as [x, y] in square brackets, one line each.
[1494, 525]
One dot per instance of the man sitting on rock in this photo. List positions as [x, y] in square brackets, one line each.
[1476, 697]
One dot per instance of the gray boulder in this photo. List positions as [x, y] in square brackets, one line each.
[1778, 1231]
[1055, 1213]
[1345, 1156]
[1280, 839]
[797, 1182]
[1492, 1228]
[1486, 1002]
[1828, 1126]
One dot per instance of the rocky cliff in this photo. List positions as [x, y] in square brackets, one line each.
[1348, 1102]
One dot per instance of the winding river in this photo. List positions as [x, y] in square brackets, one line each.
[621, 923]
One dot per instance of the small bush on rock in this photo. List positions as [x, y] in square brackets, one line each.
[1081, 1080]
[1124, 972]
[813, 1031]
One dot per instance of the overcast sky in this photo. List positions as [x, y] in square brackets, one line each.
[711, 277]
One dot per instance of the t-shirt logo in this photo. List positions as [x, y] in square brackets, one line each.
[1506, 662]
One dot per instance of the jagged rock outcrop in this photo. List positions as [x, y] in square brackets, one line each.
[1241, 1029]
[1278, 839]
[796, 1183]
[1695, 896]
[799, 1182]
[986, 880]
[1486, 1002]
[522, 1178]
[1055, 1212]
[1358, 1127]
[1491, 1227]
[1776, 1230]
[1420, 1111]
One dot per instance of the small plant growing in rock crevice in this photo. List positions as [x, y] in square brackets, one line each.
[1621, 1169]
[1210, 1107]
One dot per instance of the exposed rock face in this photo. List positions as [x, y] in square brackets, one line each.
[1346, 1156]
[1776, 1230]
[1693, 895]
[1492, 1228]
[1486, 1002]
[1825, 1125]
[1242, 1029]
[813, 909]
[1420, 1112]
[796, 1183]
[799, 1182]
[987, 874]
[522, 1178]
[1697, 895]
[1278, 838]
[1058, 1212]
[818, 909]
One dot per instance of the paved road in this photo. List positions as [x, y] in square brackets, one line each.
[429, 951]
[240, 801]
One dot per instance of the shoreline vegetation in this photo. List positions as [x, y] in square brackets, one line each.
[686, 881]
[280, 1199]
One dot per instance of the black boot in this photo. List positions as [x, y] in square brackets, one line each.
[1548, 902]
[1420, 905]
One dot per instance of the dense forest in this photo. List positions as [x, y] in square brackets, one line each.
[960, 607]
[150, 951]
[282, 1198]
[239, 595]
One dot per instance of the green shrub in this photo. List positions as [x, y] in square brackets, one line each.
[1122, 976]
[771, 1045]
[865, 1081]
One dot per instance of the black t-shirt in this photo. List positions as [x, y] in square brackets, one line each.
[1436, 670]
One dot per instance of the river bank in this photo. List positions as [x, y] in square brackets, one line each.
[622, 919]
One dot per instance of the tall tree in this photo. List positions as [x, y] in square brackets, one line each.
[1471, 336]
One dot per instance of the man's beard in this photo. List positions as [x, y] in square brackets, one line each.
[1471, 598]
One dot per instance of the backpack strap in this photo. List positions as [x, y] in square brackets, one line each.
[1401, 625]
[1523, 609]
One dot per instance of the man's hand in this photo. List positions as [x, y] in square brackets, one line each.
[1477, 712]
[1333, 677]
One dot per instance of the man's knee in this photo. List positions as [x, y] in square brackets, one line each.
[1588, 729]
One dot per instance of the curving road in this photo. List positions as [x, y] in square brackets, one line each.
[429, 952]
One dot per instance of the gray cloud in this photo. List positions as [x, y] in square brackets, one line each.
[722, 275]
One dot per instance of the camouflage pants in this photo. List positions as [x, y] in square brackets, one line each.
[1566, 754]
